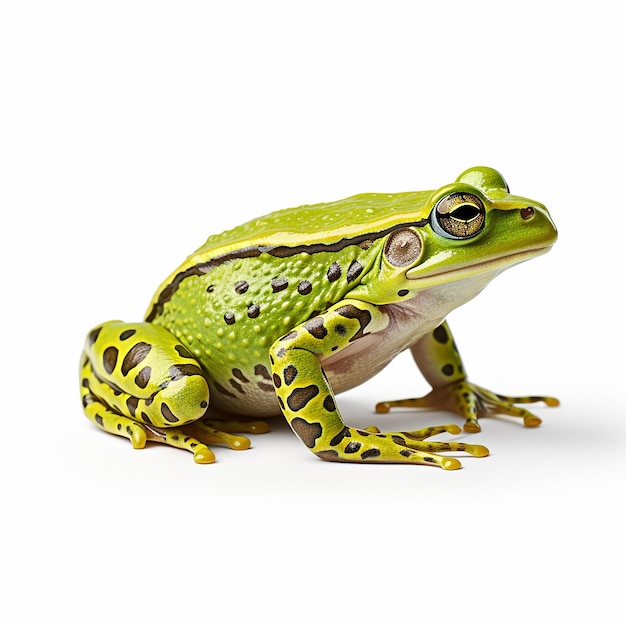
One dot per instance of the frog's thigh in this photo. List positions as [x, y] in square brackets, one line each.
[138, 377]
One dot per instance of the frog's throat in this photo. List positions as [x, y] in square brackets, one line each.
[432, 279]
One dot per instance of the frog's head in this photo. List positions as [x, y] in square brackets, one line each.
[473, 227]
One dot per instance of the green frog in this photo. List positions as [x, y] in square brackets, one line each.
[280, 314]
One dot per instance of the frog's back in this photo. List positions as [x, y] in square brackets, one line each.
[318, 229]
[322, 223]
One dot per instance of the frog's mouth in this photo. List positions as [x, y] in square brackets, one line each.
[497, 264]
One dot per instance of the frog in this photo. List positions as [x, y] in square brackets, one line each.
[279, 315]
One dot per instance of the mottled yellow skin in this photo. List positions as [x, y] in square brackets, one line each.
[279, 314]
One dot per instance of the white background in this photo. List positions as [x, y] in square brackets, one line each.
[129, 131]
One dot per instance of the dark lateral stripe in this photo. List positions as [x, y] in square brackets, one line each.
[279, 251]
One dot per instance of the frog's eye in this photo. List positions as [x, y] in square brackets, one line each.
[403, 247]
[458, 216]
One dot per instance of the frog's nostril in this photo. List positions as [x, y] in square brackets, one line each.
[527, 213]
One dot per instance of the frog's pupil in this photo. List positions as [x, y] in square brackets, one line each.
[465, 213]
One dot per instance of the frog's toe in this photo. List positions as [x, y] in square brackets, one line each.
[471, 425]
[372, 429]
[257, 427]
[451, 464]
[203, 454]
[209, 434]
[531, 421]
[137, 435]
[476, 450]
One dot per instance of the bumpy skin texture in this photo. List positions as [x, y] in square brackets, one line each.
[281, 313]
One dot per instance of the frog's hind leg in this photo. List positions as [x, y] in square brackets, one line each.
[139, 382]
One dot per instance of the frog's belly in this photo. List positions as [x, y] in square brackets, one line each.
[346, 369]
[407, 324]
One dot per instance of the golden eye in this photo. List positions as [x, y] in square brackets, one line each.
[458, 216]
[403, 247]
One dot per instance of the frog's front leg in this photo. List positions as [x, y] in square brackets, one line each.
[139, 381]
[308, 403]
[439, 361]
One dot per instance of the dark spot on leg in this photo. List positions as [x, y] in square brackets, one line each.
[301, 396]
[145, 418]
[127, 334]
[167, 414]
[109, 359]
[329, 404]
[351, 312]
[119, 426]
[135, 356]
[204, 404]
[403, 292]
[341, 330]
[316, 327]
[447, 370]
[352, 447]
[143, 378]
[183, 352]
[340, 436]
[334, 272]
[308, 433]
[440, 334]
[370, 454]
[328, 455]
[184, 369]
[289, 374]
[132, 403]
[93, 335]
[354, 271]
[99, 420]
[406, 453]
[277, 381]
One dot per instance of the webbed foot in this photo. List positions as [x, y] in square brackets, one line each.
[370, 445]
[472, 402]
